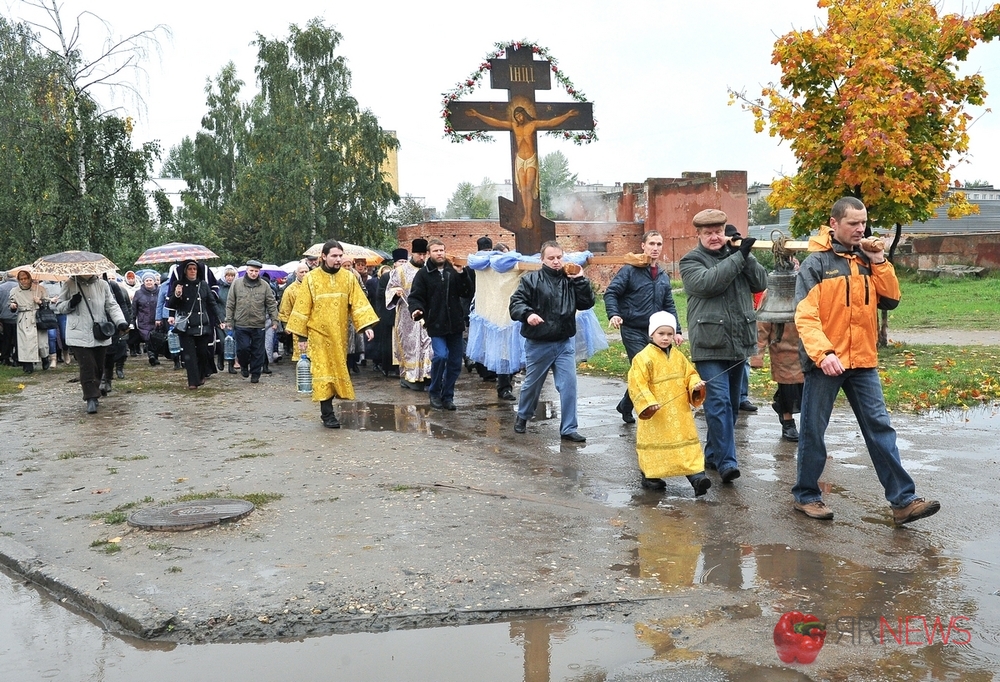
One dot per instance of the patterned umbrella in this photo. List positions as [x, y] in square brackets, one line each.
[351, 252]
[175, 252]
[72, 263]
[39, 276]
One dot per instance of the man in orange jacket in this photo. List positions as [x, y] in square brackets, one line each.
[840, 288]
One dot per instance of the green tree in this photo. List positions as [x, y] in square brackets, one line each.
[74, 178]
[314, 157]
[873, 106]
[470, 201]
[408, 211]
[555, 181]
[761, 213]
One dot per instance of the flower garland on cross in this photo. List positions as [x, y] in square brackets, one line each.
[469, 85]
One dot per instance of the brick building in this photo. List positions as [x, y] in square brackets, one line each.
[614, 223]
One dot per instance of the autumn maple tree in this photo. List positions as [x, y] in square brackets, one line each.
[873, 104]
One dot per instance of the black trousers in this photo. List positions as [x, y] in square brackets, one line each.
[91, 361]
[8, 342]
[198, 360]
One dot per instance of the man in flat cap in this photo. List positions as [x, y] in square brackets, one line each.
[719, 280]
[249, 306]
[411, 346]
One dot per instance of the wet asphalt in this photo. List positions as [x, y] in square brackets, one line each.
[409, 517]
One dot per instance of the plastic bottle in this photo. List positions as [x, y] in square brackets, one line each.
[303, 374]
[229, 347]
[173, 341]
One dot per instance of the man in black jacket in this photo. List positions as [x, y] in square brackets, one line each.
[633, 296]
[545, 303]
[436, 297]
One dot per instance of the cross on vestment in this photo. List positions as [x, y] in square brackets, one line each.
[521, 75]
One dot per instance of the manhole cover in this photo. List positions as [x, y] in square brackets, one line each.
[190, 515]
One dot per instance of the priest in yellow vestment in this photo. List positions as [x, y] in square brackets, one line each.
[326, 300]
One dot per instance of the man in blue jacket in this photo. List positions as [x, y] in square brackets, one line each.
[633, 296]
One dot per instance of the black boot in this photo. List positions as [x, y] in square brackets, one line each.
[700, 482]
[120, 370]
[327, 415]
[153, 362]
[45, 362]
[177, 362]
[788, 430]
[232, 366]
[28, 367]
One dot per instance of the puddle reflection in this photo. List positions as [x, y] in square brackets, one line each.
[42, 640]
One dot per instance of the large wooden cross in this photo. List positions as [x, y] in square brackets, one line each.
[520, 74]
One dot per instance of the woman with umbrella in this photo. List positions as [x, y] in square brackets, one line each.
[98, 305]
[32, 342]
[195, 320]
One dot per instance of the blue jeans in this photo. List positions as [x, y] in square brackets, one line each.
[560, 357]
[864, 393]
[250, 349]
[446, 365]
[722, 405]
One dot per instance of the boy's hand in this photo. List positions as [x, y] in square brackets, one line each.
[649, 412]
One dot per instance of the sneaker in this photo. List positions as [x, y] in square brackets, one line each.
[747, 406]
[653, 483]
[815, 510]
[918, 509]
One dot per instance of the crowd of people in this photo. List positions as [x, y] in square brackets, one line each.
[408, 319]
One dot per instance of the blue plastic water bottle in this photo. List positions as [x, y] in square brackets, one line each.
[303, 374]
[229, 347]
[173, 341]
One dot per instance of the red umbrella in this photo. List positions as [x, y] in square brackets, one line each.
[174, 252]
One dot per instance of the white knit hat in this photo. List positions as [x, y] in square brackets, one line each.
[661, 319]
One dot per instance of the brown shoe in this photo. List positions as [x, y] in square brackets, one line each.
[815, 510]
[918, 509]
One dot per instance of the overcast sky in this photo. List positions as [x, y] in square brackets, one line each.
[656, 70]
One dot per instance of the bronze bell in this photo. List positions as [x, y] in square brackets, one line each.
[779, 305]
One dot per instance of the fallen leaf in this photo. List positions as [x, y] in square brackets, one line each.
[118, 539]
[100, 491]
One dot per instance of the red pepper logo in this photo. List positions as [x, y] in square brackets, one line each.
[798, 637]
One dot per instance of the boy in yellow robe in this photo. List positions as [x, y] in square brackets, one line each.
[328, 297]
[664, 385]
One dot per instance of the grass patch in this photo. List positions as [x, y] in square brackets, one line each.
[158, 546]
[13, 380]
[257, 499]
[946, 303]
[174, 569]
[70, 454]
[117, 515]
[106, 546]
[402, 488]
[28, 470]
[251, 455]
[134, 458]
[250, 443]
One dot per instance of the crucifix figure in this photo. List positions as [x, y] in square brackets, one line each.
[520, 74]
